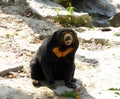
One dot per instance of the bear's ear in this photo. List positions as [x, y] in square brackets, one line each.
[56, 35]
[53, 38]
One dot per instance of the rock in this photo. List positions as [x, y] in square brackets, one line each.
[61, 89]
[46, 8]
[100, 10]
[11, 2]
[11, 68]
[50, 9]
[7, 2]
[115, 20]
[101, 7]
[100, 41]
[25, 90]
[11, 93]
[97, 37]
[100, 23]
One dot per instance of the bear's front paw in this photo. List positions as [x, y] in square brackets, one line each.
[71, 85]
[74, 80]
[52, 84]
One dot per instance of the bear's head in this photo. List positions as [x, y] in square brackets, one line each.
[65, 37]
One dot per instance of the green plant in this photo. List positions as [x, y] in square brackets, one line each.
[117, 34]
[72, 20]
[118, 93]
[69, 20]
[70, 94]
[7, 35]
[117, 90]
[70, 9]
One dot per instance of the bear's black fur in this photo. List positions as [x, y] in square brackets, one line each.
[54, 59]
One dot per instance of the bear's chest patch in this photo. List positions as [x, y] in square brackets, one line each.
[59, 53]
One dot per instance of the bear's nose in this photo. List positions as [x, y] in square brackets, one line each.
[68, 37]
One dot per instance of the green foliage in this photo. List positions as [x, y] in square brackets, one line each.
[70, 9]
[70, 94]
[7, 35]
[118, 93]
[117, 34]
[117, 90]
[72, 20]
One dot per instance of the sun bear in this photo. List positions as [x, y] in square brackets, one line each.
[54, 59]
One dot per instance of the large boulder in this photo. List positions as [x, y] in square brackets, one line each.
[47, 8]
[115, 20]
[102, 7]
[100, 10]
